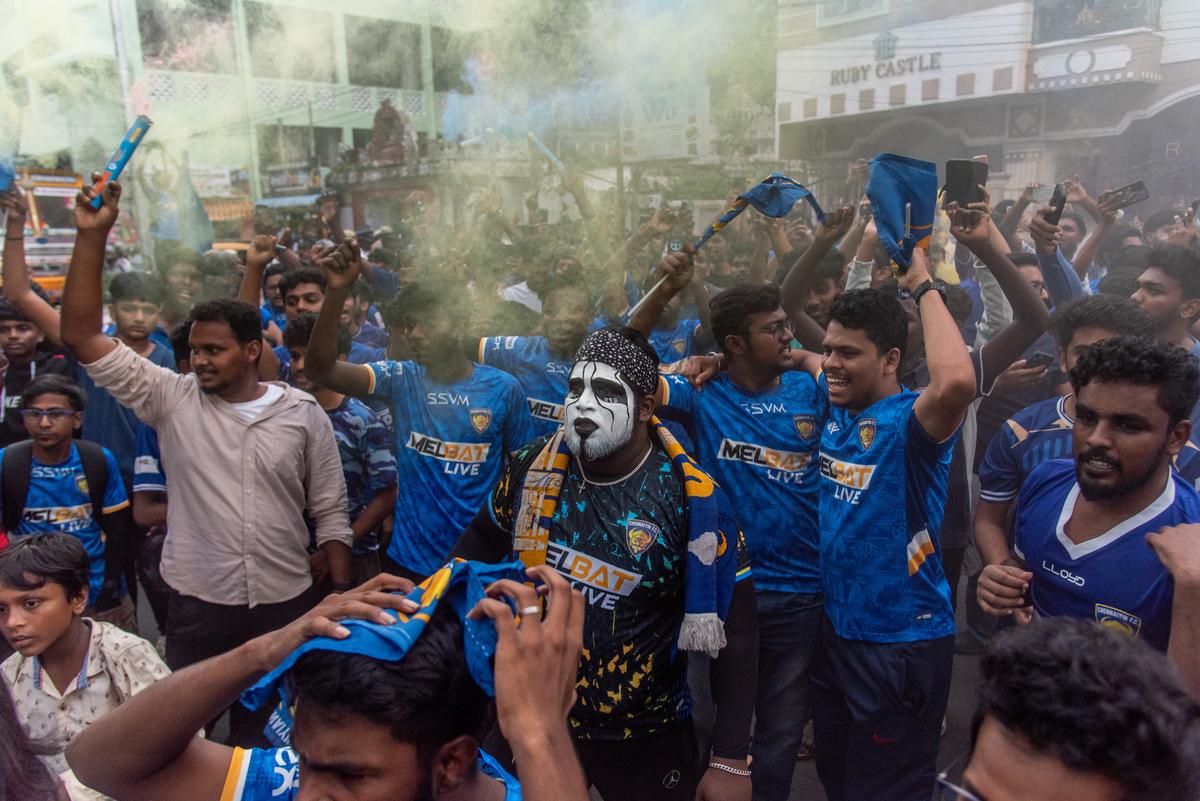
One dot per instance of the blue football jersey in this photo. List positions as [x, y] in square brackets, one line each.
[1034, 435]
[673, 344]
[451, 442]
[1188, 460]
[543, 377]
[273, 774]
[762, 448]
[59, 502]
[882, 495]
[1114, 579]
[368, 461]
[148, 473]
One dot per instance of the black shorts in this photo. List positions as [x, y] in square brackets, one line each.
[658, 767]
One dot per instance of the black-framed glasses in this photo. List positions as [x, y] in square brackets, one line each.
[950, 783]
[36, 415]
[778, 329]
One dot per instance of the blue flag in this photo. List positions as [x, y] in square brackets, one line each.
[774, 197]
[460, 583]
[896, 181]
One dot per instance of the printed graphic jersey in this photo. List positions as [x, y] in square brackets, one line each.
[883, 490]
[543, 376]
[1114, 579]
[451, 443]
[273, 774]
[59, 502]
[624, 546]
[1034, 435]
[762, 448]
[368, 463]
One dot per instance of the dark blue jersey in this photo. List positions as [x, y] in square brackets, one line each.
[1115, 578]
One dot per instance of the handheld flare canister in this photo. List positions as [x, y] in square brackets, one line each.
[112, 170]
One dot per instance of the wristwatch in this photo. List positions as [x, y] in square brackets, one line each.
[926, 286]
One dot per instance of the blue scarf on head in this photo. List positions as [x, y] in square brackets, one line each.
[713, 535]
[459, 583]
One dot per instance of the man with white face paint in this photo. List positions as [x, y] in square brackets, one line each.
[612, 502]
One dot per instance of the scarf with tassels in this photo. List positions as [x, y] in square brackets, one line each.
[712, 535]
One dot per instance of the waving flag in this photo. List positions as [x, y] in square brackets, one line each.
[898, 182]
[774, 197]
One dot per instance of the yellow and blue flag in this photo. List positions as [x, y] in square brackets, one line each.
[897, 182]
[774, 197]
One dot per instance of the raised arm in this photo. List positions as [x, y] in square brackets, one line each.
[1012, 217]
[676, 268]
[1106, 216]
[320, 361]
[258, 256]
[1062, 282]
[16, 273]
[147, 749]
[943, 404]
[83, 296]
[799, 280]
[971, 227]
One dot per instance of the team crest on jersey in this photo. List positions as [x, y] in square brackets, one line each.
[81, 483]
[481, 419]
[680, 345]
[1112, 618]
[866, 434]
[640, 535]
[805, 425]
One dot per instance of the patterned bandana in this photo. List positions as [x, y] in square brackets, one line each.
[610, 346]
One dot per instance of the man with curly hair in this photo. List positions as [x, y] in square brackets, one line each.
[1072, 712]
[1087, 530]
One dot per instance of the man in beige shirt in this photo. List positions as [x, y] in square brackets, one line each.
[245, 460]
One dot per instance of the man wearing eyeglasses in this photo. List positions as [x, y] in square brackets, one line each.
[757, 427]
[59, 500]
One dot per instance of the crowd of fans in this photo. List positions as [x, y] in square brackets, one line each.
[749, 487]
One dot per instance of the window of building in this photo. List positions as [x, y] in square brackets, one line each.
[382, 52]
[835, 12]
[290, 43]
[193, 37]
[1054, 20]
[451, 51]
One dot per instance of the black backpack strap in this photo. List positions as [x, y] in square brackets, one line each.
[120, 534]
[14, 482]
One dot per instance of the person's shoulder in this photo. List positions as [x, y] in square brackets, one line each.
[116, 642]
[1036, 413]
[10, 668]
[494, 376]
[1187, 497]
[161, 356]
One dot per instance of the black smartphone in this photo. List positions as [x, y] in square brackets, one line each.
[963, 179]
[1040, 360]
[1136, 192]
[1057, 201]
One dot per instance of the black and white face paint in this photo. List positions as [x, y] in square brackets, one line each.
[601, 410]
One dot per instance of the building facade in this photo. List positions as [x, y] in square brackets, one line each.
[1106, 89]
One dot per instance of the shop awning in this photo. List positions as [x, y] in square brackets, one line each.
[290, 201]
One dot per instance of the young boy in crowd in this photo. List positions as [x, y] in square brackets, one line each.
[364, 445]
[68, 670]
[21, 341]
[51, 484]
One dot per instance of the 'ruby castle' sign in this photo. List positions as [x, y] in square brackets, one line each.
[891, 68]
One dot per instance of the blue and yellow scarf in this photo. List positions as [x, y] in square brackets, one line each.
[712, 535]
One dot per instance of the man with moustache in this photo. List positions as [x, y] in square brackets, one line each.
[246, 459]
[1080, 534]
[612, 501]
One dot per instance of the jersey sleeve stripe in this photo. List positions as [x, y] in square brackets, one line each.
[370, 379]
[996, 496]
[148, 487]
[108, 510]
[482, 351]
[235, 778]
